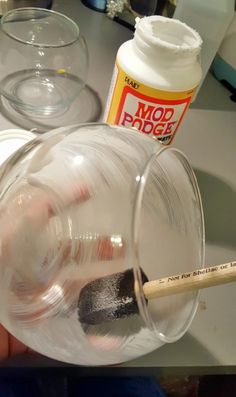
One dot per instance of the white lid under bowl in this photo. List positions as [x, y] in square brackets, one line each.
[11, 140]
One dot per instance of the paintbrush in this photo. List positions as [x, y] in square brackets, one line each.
[115, 296]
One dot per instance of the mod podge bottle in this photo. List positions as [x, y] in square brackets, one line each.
[155, 77]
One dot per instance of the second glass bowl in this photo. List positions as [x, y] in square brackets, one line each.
[44, 60]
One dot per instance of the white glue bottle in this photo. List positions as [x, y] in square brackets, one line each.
[155, 76]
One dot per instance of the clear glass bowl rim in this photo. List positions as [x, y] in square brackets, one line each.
[141, 300]
[45, 11]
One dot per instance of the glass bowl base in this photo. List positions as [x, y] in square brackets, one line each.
[42, 93]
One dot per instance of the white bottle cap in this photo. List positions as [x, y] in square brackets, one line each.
[11, 140]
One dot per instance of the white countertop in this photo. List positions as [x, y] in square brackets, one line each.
[208, 138]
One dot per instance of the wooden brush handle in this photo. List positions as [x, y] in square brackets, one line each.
[201, 278]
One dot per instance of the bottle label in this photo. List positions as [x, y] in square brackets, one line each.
[154, 112]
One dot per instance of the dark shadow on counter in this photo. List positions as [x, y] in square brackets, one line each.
[213, 95]
[219, 206]
[87, 107]
[187, 352]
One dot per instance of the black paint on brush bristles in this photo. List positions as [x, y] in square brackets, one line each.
[109, 298]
